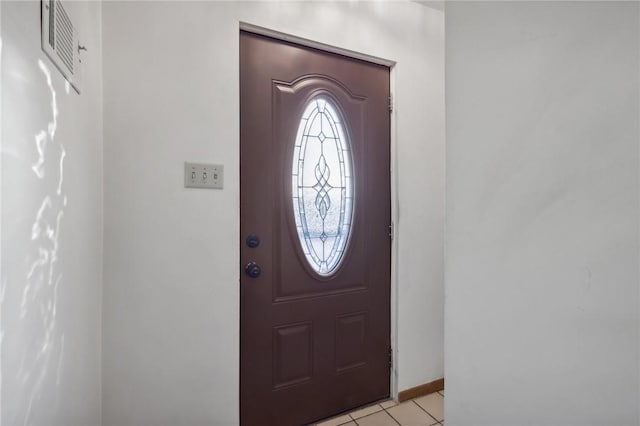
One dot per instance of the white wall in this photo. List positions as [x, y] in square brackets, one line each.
[542, 213]
[51, 258]
[171, 299]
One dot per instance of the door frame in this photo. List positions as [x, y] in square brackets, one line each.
[392, 65]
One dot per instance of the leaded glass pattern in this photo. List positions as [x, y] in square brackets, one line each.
[322, 185]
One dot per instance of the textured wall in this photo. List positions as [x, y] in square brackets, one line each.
[542, 213]
[51, 258]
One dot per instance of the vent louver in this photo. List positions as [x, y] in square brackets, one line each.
[60, 40]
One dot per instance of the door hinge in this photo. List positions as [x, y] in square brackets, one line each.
[391, 230]
[391, 102]
[391, 357]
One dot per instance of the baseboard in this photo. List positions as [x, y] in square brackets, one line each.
[426, 389]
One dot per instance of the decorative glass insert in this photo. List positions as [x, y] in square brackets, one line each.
[322, 183]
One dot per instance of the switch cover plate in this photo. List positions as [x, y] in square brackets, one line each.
[198, 175]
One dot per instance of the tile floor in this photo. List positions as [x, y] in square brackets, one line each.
[425, 410]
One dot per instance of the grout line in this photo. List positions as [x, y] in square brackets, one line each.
[362, 408]
[434, 419]
[394, 419]
[354, 420]
[437, 423]
[369, 415]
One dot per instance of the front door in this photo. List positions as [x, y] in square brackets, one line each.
[315, 244]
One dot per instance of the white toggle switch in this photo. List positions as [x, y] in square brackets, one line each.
[203, 175]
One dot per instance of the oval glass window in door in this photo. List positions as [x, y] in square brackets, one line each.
[322, 184]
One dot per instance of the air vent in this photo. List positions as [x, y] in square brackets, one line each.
[60, 39]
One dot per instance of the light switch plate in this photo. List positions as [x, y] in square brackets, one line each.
[197, 175]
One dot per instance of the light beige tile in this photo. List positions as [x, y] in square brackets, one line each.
[441, 392]
[433, 404]
[340, 420]
[408, 413]
[381, 418]
[365, 411]
[388, 404]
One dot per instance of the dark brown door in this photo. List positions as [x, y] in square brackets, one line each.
[315, 245]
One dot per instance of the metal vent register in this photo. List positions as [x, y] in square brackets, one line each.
[60, 39]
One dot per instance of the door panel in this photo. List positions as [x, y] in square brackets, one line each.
[312, 345]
